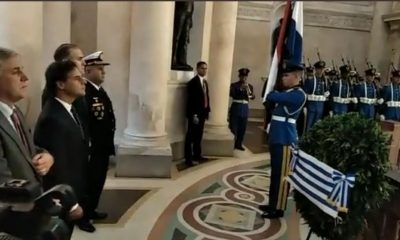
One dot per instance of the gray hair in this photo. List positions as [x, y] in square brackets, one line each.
[5, 54]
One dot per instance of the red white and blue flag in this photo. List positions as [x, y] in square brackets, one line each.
[289, 45]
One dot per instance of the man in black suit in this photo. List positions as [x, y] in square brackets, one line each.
[66, 51]
[101, 126]
[197, 111]
[19, 157]
[59, 130]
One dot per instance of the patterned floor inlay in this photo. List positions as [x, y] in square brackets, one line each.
[117, 202]
[182, 166]
[222, 206]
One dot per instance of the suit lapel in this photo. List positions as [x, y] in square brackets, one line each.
[6, 126]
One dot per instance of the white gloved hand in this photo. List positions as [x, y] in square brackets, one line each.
[380, 101]
[354, 100]
[381, 117]
[196, 119]
[327, 93]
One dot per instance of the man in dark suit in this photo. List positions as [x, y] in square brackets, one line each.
[197, 111]
[59, 130]
[101, 126]
[19, 157]
[66, 51]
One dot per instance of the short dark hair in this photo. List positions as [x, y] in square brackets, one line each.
[63, 51]
[57, 71]
[200, 63]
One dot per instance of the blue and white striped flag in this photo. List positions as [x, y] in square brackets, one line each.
[324, 186]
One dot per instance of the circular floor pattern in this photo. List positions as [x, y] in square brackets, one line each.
[221, 206]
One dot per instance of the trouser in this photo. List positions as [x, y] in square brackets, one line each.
[367, 110]
[98, 166]
[279, 187]
[314, 114]
[238, 128]
[340, 108]
[193, 139]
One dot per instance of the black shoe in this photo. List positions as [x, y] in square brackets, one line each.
[272, 214]
[98, 215]
[265, 208]
[240, 148]
[191, 164]
[86, 226]
[201, 159]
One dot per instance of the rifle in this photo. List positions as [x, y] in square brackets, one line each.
[319, 57]
[391, 65]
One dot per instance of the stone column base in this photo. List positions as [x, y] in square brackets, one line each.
[217, 141]
[143, 162]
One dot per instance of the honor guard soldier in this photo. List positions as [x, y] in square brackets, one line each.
[240, 92]
[365, 91]
[283, 134]
[101, 124]
[341, 92]
[391, 98]
[317, 93]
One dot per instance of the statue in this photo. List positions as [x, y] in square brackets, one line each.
[182, 25]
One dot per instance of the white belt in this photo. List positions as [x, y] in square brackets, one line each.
[341, 100]
[241, 101]
[283, 119]
[319, 98]
[368, 100]
[393, 104]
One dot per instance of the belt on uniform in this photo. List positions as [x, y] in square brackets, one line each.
[240, 101]
[393, 104]
[319, 98]
[368, 100]
[341, 100]
[283, 119]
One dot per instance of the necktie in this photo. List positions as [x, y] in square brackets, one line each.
[76, 118]
[18, 128]
[205, 93]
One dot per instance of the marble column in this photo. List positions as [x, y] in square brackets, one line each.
[393, 21]
[115, 41]
[21, 29]
[145, 150]
[378, 52]
[218, 140]
[56, 16]
[84, 25]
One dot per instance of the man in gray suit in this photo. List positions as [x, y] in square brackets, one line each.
[19, 158]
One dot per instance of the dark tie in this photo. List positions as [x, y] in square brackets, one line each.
[18, 128]
[205, 94]
[78, 122]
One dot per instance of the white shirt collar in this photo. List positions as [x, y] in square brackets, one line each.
[94, 85]
[7, 111]
[201, 80]
[65, 104]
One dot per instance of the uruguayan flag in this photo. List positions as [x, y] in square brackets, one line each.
[324, 186]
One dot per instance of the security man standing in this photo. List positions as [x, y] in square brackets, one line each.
[317, 93]
[341, 92]
[288, 105]
[101, 126]
[240, 92]
[391, 97]
[365, 91]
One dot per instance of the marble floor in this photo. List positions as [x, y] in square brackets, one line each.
[214, 200]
